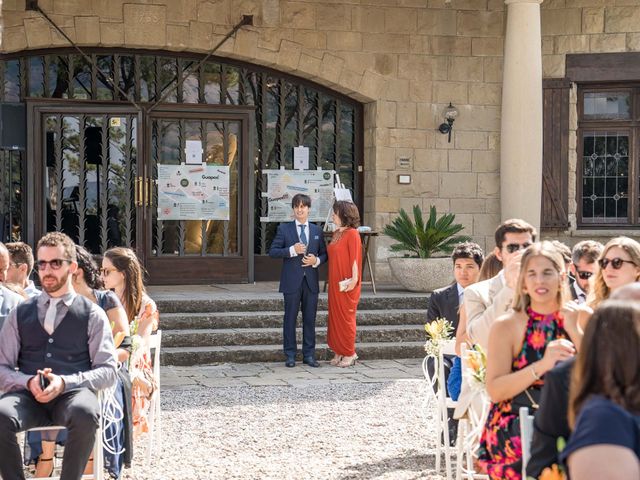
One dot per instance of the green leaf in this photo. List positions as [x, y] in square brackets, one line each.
[424, 239]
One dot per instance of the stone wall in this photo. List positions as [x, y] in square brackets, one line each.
[585, 26]
[404, 59]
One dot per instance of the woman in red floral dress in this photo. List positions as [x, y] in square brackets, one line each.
[523, 346]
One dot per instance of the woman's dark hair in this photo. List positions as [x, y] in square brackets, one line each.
[348, 213]
[90, 270]
[126, 262]
[608, 363]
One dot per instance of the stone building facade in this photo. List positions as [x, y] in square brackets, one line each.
[404, 60]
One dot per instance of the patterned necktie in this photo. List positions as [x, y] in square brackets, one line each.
[303, 236]
[50, 316]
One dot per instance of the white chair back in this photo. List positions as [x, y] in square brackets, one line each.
[526, 436]
[155, 425]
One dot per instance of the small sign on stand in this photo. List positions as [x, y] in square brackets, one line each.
[301, 158]
[340, 193]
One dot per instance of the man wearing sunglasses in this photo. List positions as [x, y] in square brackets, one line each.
[56, 351]
[584, 264]
[485, 301]
[21, 266]
[8, 299]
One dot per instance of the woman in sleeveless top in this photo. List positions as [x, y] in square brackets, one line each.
[122, 273]
[523, 346]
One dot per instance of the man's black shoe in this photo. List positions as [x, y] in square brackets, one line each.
[290, 363]
[311, 361]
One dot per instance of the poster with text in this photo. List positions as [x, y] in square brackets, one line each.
[282, 185]
[190, 192]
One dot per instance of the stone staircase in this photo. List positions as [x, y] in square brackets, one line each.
[240, 330]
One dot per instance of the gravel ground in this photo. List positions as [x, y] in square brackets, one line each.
[342, 431]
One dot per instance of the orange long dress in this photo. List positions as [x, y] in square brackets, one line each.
[341, 331]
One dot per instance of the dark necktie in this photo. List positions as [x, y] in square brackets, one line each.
[303, 236]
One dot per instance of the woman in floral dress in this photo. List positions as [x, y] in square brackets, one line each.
[523, 346]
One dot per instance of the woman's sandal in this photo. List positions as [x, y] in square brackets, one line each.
[45, 474]
[348, 361]
[336, 360]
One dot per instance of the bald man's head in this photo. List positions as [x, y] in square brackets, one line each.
[630, 291]
[4, 262]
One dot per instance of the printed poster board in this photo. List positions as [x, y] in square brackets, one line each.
[282, 185]
[190, 192]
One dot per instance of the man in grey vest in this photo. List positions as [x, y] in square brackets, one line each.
[61, 345]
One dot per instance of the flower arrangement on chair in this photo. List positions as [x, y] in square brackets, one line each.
[475, 365]
[438, 331]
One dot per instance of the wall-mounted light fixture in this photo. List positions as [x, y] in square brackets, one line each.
[450, 115]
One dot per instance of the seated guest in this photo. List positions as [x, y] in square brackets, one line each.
[604, 405]
[56, 351]
[619, 266]
[122, 273]
[551, 421]
[523, 346]
[8, 298]
[584, 264]
[21, 266]
[445, 303]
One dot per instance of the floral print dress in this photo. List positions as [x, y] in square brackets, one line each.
[500, 452]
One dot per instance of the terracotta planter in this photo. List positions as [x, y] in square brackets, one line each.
[422, 274]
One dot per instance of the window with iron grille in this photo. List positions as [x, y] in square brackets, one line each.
[289, 111]
[607, 170]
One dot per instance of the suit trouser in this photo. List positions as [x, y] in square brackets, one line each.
[78, 410]
[308, 300]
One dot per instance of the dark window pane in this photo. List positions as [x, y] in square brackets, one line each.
[36, 77]
[232, 84]
[168, 80]
[105, 66]
[587, 187]
[81, 86]
[191, 84]
[127, 77]
[211, 78]
[12, 81]
[59, 77]
[147, 78]
[610, 208]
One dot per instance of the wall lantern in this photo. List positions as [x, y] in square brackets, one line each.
[450, 115]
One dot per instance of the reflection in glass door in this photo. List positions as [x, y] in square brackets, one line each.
[204, 249]
[91, 165]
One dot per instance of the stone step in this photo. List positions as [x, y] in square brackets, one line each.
[267, 336]
[186, 356]
[266, 319]
[274, 303]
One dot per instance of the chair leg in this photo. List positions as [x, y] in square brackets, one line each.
[151, 432]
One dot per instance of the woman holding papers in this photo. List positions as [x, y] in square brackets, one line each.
[345, 265]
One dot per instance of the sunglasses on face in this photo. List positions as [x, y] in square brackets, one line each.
[582, 274]
[55, 264]
[616, 263]
[514, 247]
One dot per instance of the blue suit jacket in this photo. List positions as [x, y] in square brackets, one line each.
[293, 272]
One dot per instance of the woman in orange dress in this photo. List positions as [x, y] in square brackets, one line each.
[345, 264]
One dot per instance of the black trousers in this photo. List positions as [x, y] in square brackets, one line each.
[78, 410]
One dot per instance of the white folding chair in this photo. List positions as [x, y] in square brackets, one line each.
[437, 390]
[155, 424]
[526, 436]
[98, 454]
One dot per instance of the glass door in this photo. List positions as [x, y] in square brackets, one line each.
[85, 167]
[196, 196]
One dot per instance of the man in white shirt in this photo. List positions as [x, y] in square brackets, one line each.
[584, 265]
[487, 300]
[20, 267]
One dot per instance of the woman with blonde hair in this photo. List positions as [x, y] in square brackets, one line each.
[523, 346]
[619, 265]
[604, 402]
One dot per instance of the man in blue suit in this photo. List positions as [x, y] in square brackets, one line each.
[301, 246]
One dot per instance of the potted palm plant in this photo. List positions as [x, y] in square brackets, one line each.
[425, 265]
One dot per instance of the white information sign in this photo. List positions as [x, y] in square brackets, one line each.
[193, 152]
[282, 185]
[187, 192]
[300, 158]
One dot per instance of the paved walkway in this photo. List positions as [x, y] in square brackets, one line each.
[276, 374]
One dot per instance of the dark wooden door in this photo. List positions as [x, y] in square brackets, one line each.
[205, 247]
